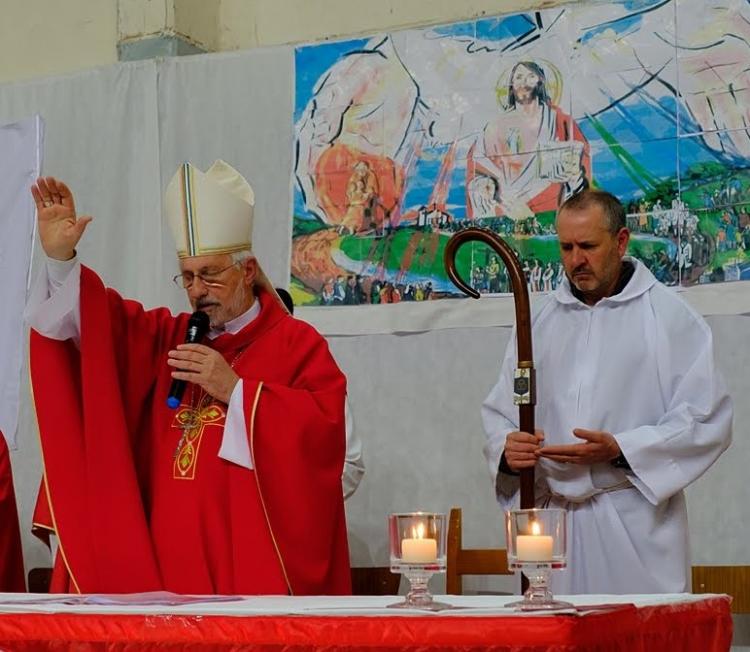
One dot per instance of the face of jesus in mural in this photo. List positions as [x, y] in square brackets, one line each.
[524, 83]
[590, 252]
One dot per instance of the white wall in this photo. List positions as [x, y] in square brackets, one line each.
[48, 37]
[138, 18]
[246, 24]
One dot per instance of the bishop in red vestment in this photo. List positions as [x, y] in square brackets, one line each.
[141, 496]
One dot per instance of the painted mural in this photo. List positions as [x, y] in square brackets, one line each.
[401, 139]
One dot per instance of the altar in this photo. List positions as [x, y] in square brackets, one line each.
[34, 622]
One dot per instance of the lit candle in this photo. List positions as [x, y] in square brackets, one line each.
[534, 546]
[417, 549]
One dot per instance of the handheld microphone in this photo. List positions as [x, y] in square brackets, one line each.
[197, 327]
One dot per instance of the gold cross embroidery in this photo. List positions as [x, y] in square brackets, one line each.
[192, 421]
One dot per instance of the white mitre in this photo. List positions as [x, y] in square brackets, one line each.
[211, 213]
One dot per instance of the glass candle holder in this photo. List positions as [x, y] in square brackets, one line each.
[417, 543]
[537, 543]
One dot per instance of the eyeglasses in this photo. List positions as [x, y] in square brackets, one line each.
[209, 278]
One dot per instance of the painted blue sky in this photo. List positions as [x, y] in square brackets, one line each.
[311, 63]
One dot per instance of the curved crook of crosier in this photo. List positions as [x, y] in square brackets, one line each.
[524, 376]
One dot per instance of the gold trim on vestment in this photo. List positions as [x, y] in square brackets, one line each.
[212, 251]
[53, 529]
[260, 493]
[60, 547]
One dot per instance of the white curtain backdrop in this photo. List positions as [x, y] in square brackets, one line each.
[117, 134]
[20, 161]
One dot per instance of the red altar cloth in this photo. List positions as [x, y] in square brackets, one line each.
[702, 626]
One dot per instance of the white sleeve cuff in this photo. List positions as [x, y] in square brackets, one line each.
[235, 446]
[59, 270]
[53, 307]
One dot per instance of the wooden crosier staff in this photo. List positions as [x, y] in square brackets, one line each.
[523, 385]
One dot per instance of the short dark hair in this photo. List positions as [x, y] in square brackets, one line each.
[286, 298]
[612, 208]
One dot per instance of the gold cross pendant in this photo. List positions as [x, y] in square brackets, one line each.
[193, 422]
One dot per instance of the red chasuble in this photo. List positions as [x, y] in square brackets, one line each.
[11, 557]
[135, 491]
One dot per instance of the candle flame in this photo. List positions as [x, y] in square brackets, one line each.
[536, 529]
[417, 531]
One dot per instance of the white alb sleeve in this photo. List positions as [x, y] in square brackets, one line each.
[354, 465]
[53, 308]
[235, 446]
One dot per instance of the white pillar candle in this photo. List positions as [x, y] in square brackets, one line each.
[417, 549]
[535, 546]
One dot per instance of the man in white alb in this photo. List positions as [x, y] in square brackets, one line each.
[630, 406]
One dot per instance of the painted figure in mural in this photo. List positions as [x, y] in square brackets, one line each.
[617, 461]
[327, 293]
[547, 277]
[493, 274]
[358, 115]
[361, 200]
[483, 196]
[532, 149]
[339, 291]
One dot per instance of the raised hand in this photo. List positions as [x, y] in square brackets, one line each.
[59, 227]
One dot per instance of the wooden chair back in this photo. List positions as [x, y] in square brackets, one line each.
[462, 561]
[734, 580]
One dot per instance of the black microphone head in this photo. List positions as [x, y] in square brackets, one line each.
[198, 326]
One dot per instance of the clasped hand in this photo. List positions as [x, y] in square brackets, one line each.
[522, 449]
[202, 365]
